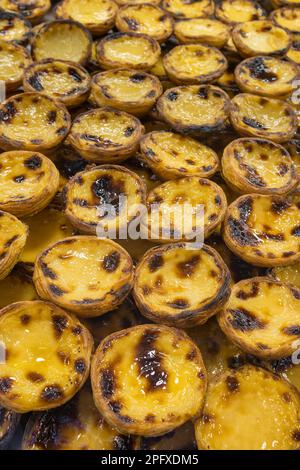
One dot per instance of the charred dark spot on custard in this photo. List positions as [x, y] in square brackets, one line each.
[25, 319]
[260, 71]
[75, 74]
[35, 81]
[60, 323]
[149, 153]
[241, 234]
[129, 131]
[33, 163]
[51, 117]
[80, 202]
[245, 208]
[107, 190]
[34, 377]
[155, 262]
[111, 262]
[11, 241]
[283, 168]
[56, 291]
[5, 384]
[293, 330]
[19, 179]
[132, 23]
[206, 418]
[278, 206]
[232, 384]
[241, 294]
[296, 435]
[243, 320]
[253, 123]
[80, 366]
[107, 383]
[138, 77]
[77, 330]
[296, 231]
[172, 96]
[150, 418]
[47, 271]
[286, 397]
[63, 357]
[8, 112]
[191, 355]
[187, 268]
[178, 304]
[52, 393]
[149, 361]
[203, 93]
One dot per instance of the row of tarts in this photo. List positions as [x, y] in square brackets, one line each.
[180, 344]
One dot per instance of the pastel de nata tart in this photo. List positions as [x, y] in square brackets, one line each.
[188, 9]
[105, 135]
[98, 16]
[262, 317]
[162, 223]
[14, 27]
[181, 287]
[32, 121]
[258, 166]
[13, 60]
[263, 230]
[28, 182]
[63, 80]
[258, 116]
[62, 40]
[172, 156]
[141, 377]
[145, 19]
[282, 3]
[127, 50]
[294, 52]
[137, 2]
[266, 76]
[77, 425]
[203, 30]
[260, 38]
[9, 421]
[194, 63]
[234, 12]
[241, 408]
[92, 189]
[126, 90]
[47, 356]
[287, 274]
[287, 18]
[13, 235]
[194, 109]
[16, 287]
[86, 275]
[31, 10]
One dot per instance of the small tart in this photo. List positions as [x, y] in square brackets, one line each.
[241, 409]
[194, 109]
[32, 121]
[162, 224]
[32, 10]
[188, 9]
[206, 30]
[13, 60]
[63, 80]
[13, 235]
[287, 274]
[294, 52]
[13, 27]
[126, 90]
[260, 38]
[258, 116]
[98, 16]
[266, 76]
[105, 135]
[172, 156]
[142, 376]
[9, 421]
[234, 12]
[145, 19]
[181, 287]
[47, 356]
[263, 230]
[258, 166]
[16, 287]
[262, 317]
[92, 189]
[282, 3]
[194, 63]
[77, 425]
[86, 275]
[287, 18]
[129, 50]
[62, 40]
[137, 2]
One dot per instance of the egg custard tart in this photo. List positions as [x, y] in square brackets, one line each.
[105, 135]
[137, 2]
[13, 235]
[127, 50]
[287, 18]
[14, 27]
[62, 40]
[63, 80]
[287, 274]
[28, 182]
[141, 378]
[32, 121]
[203, 30]
[172, 156]
[77, 425]
[257, 116]
[249, 409]
[234, 12]
[98, 16]
[266, 76]
[194, 63]
[188, 8]
[86, 275]
[194, 109]
[47, 356]
[9, 421]
[263, 230]
[181, 287]
[126, 90]
[32, 10]
[145, 19]
[16, 287]
[92, 189]
[260, 38]
[163, 224]
[262, 317]
[294, 52]
[282, 3]
[258, 166]
[13, 60]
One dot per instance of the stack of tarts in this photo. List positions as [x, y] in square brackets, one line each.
[120, 327]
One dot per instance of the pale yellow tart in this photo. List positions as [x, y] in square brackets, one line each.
[188, 9]
[142, 376]
[13, 235]
[47, 356]
[13, 60]
[32, 10]
[13, 27]
[87, 275]
[238, 11]
[288, 18]
[203, 30]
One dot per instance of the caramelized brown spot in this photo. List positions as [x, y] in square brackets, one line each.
[232, 384]
[248, 295]
[35, 377]
[80, 366]
[187, 268]
[107, 383]
[178, 304]
[60, 323]
[244, 320]
[111, 262]
[155, 262]
[293, 330]
[52, 393]
[25, 319]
